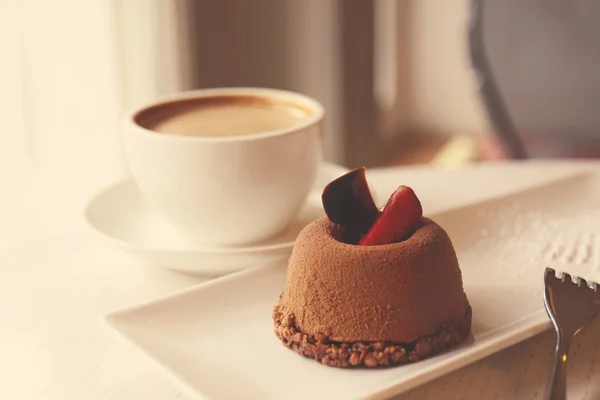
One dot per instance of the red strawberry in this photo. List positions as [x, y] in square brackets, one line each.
[348, 202]
[400, 217]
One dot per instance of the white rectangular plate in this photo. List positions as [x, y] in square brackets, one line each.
[217, 340]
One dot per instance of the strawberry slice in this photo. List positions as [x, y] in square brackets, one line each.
[400, 217]
[348, 202]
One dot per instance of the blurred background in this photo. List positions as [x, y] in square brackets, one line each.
[403, 81]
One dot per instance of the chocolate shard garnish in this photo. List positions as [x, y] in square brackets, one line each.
[348, 202]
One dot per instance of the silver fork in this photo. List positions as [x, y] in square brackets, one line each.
[571, 305]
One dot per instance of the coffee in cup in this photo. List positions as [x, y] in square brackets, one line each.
[229, 166]
[224, 115]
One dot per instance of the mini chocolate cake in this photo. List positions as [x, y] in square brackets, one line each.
[347, 305]
[369, 287]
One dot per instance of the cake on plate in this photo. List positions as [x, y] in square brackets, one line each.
[371, 288]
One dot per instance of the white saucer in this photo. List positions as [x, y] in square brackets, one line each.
[119, 216]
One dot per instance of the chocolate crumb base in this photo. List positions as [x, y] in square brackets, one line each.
[369, 354]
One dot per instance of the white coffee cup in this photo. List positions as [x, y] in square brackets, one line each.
[230, 190]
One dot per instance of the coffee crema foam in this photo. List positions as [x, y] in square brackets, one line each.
[223, 115]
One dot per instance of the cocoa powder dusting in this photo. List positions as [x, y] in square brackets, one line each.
[398, 292]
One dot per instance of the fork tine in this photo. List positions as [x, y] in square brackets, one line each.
[550, 274]
[579, 281]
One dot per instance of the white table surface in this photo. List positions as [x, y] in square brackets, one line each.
[56, 281]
